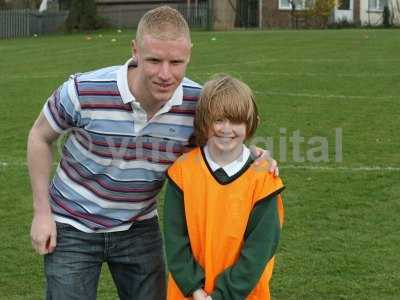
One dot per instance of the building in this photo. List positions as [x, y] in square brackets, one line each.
[371, 12]
[128, 13]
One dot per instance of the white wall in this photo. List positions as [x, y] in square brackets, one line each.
[375, 18]
[395, 8]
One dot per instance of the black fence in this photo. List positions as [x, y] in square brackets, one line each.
[23, 22]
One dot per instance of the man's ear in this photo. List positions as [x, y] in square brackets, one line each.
[190, 52]
[134, 47]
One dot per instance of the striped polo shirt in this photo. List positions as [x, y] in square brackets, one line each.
[114, 160]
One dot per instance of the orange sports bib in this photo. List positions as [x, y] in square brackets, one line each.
[217, 216]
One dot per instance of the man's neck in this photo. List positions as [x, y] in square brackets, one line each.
[141, 96]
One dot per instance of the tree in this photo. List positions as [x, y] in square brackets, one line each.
[322, 10]
[34, 4]
[83, 16]
[3, 4]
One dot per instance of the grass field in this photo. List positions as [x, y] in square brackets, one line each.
[341, 237]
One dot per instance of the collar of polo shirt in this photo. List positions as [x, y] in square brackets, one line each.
[126, 95]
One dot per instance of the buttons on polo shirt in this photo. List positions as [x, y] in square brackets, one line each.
[141, 116]
[135, 105]
[140, 119]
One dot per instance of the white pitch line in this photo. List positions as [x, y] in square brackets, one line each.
[36, 76]
[306, 74]
[15, 163]
[277, 60]
[5, 164]
[324, 96]
[351, 169]
[282, 167]
[236, 73]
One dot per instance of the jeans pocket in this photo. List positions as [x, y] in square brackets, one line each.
[64, 227]
[142, 248]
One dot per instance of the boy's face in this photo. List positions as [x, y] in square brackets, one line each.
[225, 136]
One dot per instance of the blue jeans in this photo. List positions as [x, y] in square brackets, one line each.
[135, 259]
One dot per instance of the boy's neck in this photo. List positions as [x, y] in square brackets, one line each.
[223, 158]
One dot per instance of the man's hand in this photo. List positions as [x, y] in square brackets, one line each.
[200, 294]
[263, 155]
[43, 233]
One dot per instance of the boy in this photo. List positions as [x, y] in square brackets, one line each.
[223, 215]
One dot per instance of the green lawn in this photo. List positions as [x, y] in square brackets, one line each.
[341, 237]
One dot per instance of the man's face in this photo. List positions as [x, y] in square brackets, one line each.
[161, 66]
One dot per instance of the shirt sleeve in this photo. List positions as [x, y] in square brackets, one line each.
[261, 241]
[62, 108]
[187, 273]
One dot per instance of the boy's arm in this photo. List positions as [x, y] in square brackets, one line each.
[260, 243]
[187, 273]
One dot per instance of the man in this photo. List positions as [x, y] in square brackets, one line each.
[126, 125]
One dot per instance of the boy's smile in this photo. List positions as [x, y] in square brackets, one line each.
[225, 139]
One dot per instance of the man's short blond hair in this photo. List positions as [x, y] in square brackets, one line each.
[225, 97]
[163, 22]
